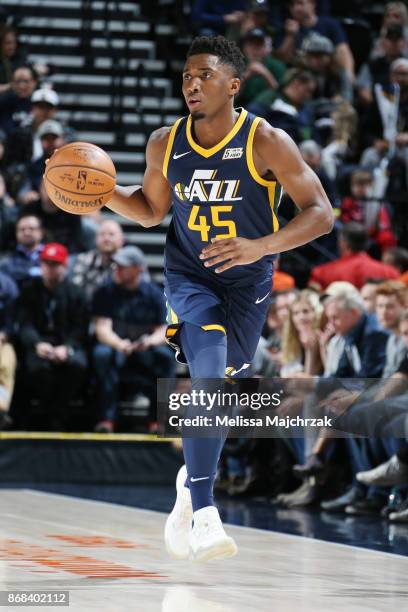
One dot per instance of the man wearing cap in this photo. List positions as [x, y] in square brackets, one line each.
[287, 108]
[53, 322]
[304, 20]
[317, 55]
[51, 135]
[130, 323]
[263, 72]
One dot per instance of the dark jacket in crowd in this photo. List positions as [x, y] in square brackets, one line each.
[365, 351]
[8, 296]
[59, 317]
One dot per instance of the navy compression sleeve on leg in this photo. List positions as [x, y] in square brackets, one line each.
[206, 353]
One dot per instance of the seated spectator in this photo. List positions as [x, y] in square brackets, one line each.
[300, 342]
[288, 108]
[8, 210]
[212, 17]
[92, 269]
[60, 226]
[363, 356]
[268, 357]
[129, 316]
[45, 103]
[51, 136]
[304, 21]
[377, 70]
[312, 154]
[8, 361]
[368, 294]
[15, 103]
[397, 257]
[24, 263]
[258, 15]
[354, 264]
[10, 55]
[53, 322]
[263, 72]
[317, 56]
[374, 132]
[373, 215]
[391, 300]
[395, 13]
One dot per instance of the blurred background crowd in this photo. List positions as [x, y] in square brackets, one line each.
[82, 317]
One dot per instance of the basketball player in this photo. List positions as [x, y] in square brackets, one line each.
[223, 171]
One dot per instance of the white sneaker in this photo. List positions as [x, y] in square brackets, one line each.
[178, 524]
[208, 539]
[392, 472]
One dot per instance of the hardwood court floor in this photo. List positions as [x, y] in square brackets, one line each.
[112, 558]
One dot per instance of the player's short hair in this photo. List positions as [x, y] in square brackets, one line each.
[227, 51]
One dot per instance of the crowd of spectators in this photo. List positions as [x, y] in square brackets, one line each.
[81, 317]
[342, 98]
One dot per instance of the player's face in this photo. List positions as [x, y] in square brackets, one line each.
[388, 310]
[207, 85]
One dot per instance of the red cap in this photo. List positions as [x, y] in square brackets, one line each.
[55, 252]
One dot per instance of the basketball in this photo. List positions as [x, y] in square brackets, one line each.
[80, 178]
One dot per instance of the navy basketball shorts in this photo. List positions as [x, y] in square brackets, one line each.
[239, 312]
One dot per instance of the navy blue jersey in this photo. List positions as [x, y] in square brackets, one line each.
[217, 192]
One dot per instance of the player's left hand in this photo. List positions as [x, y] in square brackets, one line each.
[232, 251]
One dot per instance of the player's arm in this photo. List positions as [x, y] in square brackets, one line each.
[147, 204]
[276, 154]
[274, 150]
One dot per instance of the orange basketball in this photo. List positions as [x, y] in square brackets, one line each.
[80, 178]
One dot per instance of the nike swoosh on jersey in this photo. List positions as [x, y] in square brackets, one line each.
[195, 479]
[259, 300]
[177, 155]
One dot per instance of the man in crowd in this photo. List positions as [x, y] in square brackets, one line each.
[24, 263]
[54, 323]
[51, 135]
[92, 269]
[130, 324]
[263, 72]
[354, 264]
[15, 103]
[304, 21]
[287, 107]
